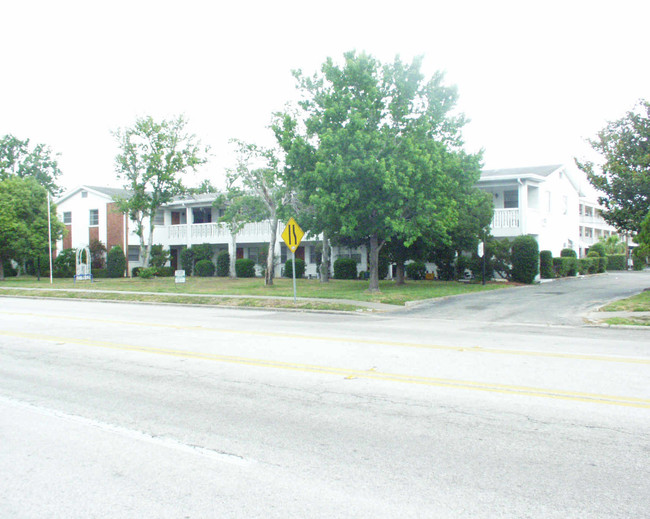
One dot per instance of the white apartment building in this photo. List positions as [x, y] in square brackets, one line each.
[553, 203]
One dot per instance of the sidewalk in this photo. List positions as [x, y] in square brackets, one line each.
[377, 307]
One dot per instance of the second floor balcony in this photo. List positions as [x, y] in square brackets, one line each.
[215, 233]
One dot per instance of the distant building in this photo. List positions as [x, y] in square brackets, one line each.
[555, 204]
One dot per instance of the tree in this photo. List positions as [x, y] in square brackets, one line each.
[378, 153]
[153, 160]
[18, 158]
[240, 207]
[260, 171]
[24, 221]
[624, 175]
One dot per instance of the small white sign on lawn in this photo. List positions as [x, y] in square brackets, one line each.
[180, 276]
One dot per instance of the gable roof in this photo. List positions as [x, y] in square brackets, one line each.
[106, 192]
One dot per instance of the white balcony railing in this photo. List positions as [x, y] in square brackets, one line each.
[506, 219]
[216, 232]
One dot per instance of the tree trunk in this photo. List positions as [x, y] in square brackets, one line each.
[399, 273]
[2, 270]
[325, 261]
[147, 249]
[374, 264]
[233, 257]
[270, 256]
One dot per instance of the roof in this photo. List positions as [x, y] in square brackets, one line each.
[108, 192]
[534, 171]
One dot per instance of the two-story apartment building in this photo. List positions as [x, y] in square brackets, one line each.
[553, 203]
[90, 212]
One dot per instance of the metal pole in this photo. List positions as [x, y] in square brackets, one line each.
[49, 234]
[293, 265]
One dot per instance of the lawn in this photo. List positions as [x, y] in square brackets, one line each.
[637, 303]
[308, 288]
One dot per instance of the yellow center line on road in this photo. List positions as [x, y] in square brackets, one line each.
[349, 373]
[373, 342]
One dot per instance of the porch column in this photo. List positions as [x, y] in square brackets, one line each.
[188, 227]
[523, 206]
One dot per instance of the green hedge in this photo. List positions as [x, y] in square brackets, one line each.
[598, 248]
[546, 264]
[565, 267]
[147, 273]
[525, 259]
[416, 270]
[587, 265]
[616, 262]
[223, 264]
[245, 268]
[568, 253]
[65, 264]
[115, 262]
[204, 268]
[345, 268]
[288, 268]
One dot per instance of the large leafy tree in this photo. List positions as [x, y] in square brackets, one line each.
[153, 160]
[24, 221]
[18, 158]
[624, 172]
[378, 153]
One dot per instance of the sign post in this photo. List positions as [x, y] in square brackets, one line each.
[292, 235]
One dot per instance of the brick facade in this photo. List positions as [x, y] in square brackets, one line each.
[114, 226]
[67, 237]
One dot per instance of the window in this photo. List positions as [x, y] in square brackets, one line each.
[159, 217]
[94, 217]
[202, 214]
[67, 217]
[84, 194]
[254, 254]
[283, 253]
[511, 199]
[565, 204]
[134, 252]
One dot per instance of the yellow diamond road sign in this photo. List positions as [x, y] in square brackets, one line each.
[292, 235]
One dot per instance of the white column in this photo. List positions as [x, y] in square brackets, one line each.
[523, 206]
[188, 227]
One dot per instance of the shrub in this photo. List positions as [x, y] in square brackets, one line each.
[586, 266]
[598, 248]
[640, 257]
[187, 260]
[65, 264]
[288, 268]
[97, 255]
[345, 268]
[476, 266]
[32, 265]
[9, 270]
[546, 264]
[416, 270]
[223, 264]
[525, 259]
[462, 264]
[384, 264]
[245, 268]
[158, 256]
[202, 252]
[147, 273]
[135, 271]
[598, 262]
[164, 272]
[204, 268]
[616, 262]
[115, 262]
[99, 273]
[568, 253]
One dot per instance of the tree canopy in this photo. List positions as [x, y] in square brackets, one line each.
[18, 158]
[24, 221]
[376, 151]
[624, 173]
[154, 157]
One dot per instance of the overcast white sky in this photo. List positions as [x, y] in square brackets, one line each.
[535, 78]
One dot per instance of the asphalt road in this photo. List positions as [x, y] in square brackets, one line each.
[121, 410]
[560, 302]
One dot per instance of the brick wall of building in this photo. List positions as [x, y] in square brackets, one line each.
[67, 237]
[93, 234]
[114, 226]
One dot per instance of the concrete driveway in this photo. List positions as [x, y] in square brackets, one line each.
[559, 302]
